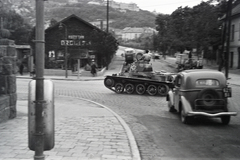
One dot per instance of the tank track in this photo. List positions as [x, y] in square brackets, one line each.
[140, 86]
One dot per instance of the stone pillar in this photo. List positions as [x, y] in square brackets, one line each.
[8, 70]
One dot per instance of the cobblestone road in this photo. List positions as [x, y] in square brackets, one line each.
[129, 107]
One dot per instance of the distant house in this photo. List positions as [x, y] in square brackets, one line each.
[135, 33]
[95, 3]
[234, 57]
[129, 6]
[72, 1]
[123, 6]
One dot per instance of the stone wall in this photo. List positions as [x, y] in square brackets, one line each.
[8, 70]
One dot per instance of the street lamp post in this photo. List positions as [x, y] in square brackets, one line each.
[61, 25]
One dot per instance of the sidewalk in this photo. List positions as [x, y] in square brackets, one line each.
[112, 69]
[84, 130]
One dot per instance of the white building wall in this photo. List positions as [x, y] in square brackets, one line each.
[234, 44]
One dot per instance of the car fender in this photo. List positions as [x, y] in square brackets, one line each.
[170, 97]
[186, 105]
[231, 105]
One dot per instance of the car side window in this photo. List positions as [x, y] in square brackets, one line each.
[178, 81]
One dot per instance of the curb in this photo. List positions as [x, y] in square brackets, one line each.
[132, 141]
[66, 79]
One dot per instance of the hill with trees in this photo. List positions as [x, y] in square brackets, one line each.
[89, 12]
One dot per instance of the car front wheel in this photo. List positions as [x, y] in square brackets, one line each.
[170, 107]
[184, 118]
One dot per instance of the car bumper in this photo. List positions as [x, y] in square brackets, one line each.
[191, 113]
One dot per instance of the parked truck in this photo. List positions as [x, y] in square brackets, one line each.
[184, 62]
[129, 55]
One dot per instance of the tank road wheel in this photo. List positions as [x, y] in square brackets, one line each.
[109, 82]
[119, 88]
[140, 89]
[129, 88]
[163, 89]
[152, 90]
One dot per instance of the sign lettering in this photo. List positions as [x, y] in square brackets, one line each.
[75, 37]
[75, 43]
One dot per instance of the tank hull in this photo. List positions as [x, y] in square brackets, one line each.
[134, 85]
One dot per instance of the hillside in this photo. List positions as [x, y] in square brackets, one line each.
[88, 12]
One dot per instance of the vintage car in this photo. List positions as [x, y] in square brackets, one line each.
[201, 92]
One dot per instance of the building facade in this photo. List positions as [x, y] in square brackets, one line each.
[234, 45]
[70, 40]
[131, 33]
[234, 56]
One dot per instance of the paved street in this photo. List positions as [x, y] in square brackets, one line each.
[158, 133]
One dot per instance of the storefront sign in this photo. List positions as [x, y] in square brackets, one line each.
[75, 40]
[75, 43]
[75, 36]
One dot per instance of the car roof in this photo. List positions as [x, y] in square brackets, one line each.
[190, 76]
[201, 72]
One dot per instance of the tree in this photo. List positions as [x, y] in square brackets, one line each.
[19, 29]
[188, 28]
[105, 45]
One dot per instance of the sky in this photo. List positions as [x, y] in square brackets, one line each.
[162, 6]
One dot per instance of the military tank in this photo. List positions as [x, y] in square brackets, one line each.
[139, 77]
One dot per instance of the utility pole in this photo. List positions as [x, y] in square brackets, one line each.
[107, 55]
[107, 16]
[40, 51]
[228, 20]
[66, 48]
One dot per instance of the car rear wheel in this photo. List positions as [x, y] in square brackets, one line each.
[225, 119]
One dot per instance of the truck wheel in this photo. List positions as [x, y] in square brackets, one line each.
[140, 89]
[129, 88]
[163, 89]
[152, 90]
[119, 88]
[225, 119]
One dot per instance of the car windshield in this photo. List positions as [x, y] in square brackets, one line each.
[207, 82]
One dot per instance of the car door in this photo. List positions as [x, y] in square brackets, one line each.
[176, 91]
